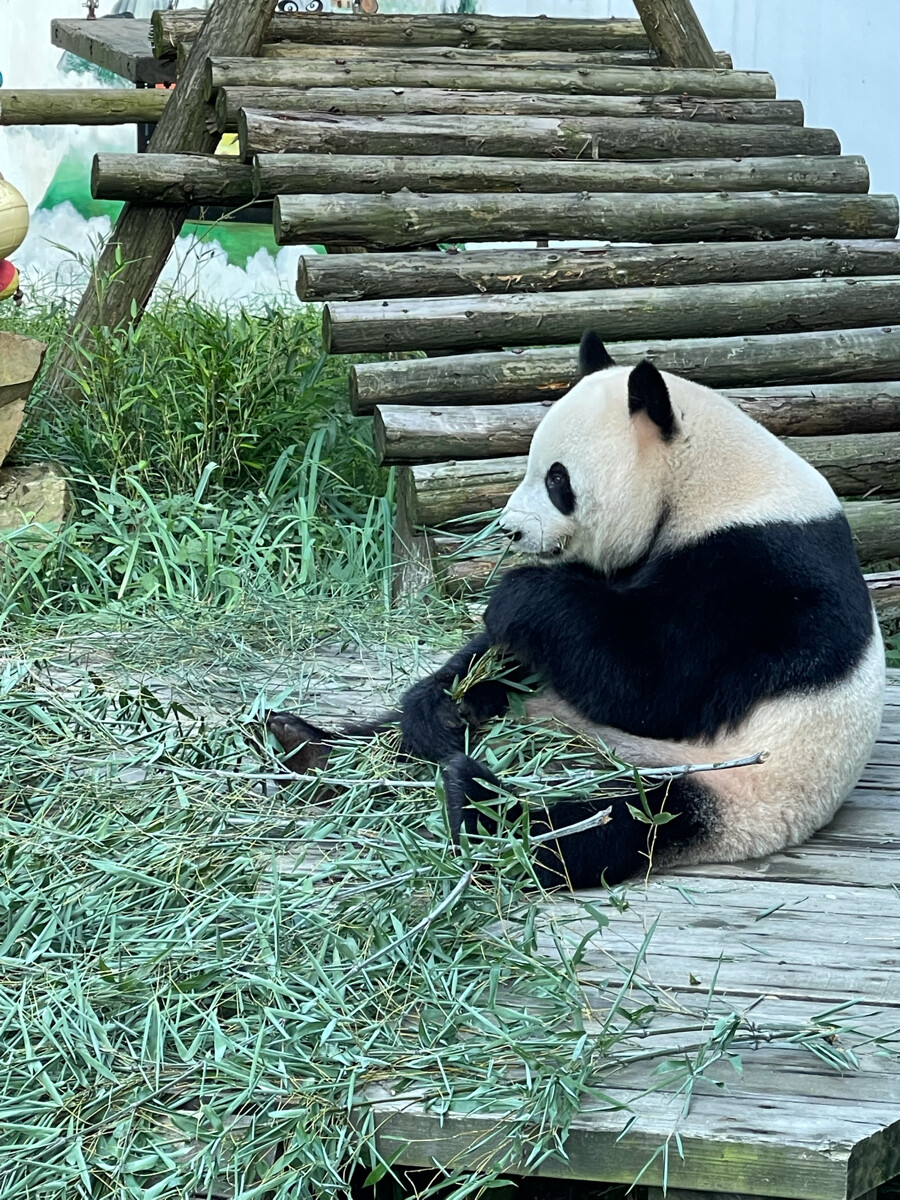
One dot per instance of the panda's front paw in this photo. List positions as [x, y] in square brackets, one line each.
[484, 701]
[466, 780]
[431, 724]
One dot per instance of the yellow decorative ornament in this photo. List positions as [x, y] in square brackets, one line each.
[13, 218]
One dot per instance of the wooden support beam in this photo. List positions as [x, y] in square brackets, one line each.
[287, 174]
[854, 465]
[171, 178]
[81, 106]
[675, 32]
[705, 310]
[431, 274]
[497, 33]
[231, 71]
[411, 434]
[829, 356]
[382, 101]
[404, 219]
[123, 278]
[623, 138]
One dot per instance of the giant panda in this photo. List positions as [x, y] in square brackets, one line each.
[694, 598]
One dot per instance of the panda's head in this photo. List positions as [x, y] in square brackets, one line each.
[597, 480]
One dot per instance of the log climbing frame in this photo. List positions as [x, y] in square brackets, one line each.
[719, 236]
[637, 183]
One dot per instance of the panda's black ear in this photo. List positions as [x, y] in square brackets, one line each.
[647, 393]
[592, 354]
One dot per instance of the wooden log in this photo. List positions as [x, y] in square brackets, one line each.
[624, 138]
[404, 434]
[126, 272]
[470, 57]
[675, 33]
[359, 174]
[232, 71]
[496, 33]
[405, 219]
[464, 55]
[829, 356]
[854, 465]
[704, 310]
[480, 272]
[309, 56]
[171, 178]
[384, 101]
[884, 588]
[81, 106]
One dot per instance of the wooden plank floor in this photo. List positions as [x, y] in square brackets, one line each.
[790, 937]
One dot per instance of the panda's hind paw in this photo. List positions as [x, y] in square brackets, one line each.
[307, 745]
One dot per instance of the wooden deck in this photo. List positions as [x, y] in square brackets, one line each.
[790, 937]
[116, 44]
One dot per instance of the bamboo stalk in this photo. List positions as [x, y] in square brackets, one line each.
[404, 435]
[623, 138]
[170, 27]
[81, 106]
[382, 101]
[485, 272]
[222, 71]
[828, 356]
[286, 174]
[377, 326]
[404, 219]
[854, 465]
[171, 178]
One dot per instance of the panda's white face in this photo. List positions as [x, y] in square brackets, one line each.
[595, 485]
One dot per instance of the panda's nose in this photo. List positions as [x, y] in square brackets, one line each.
[514, 535]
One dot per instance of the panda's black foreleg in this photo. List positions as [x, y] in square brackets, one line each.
[433, 725]
[606, 854]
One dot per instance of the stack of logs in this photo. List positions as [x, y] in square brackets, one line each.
[765, 267]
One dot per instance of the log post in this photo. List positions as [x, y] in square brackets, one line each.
[675, 33]
[127, 270]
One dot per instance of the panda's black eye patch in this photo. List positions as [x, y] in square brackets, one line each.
[559, 489]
